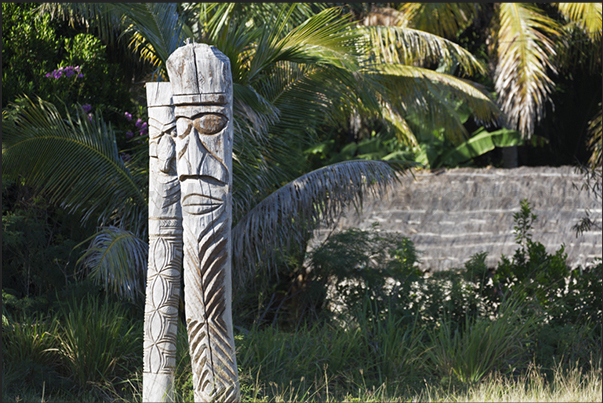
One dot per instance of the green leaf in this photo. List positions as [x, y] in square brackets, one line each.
[482, 142]
[75, 162]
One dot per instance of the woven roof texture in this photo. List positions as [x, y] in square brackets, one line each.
[452, 214]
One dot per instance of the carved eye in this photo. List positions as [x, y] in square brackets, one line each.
[211, 123]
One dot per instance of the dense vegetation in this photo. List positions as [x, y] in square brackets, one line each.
[328, 94]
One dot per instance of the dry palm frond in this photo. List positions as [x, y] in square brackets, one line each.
[524, 59]
[385, 16]
[288, 214]
[587, 16]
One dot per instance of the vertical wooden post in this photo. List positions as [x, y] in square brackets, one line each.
[202, 96]
[165, 249]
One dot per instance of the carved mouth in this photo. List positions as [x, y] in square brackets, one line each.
[200, 204]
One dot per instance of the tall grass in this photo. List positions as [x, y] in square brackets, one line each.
[98, 342]
[471, 350]
[566, 385]
[28, 348]
[311, 363]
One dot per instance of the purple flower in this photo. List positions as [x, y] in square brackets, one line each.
[87, 108]
[129, 134]
[90, 117]
[68, 71]
[138, 123]
[128, 116]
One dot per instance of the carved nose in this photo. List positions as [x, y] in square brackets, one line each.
[201, 162]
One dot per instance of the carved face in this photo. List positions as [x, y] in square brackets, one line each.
[202, 144]
[162, 131]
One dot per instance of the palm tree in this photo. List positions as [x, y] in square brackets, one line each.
[294, 66]
[527, 46]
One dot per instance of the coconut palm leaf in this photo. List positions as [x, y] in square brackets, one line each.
[75, 162]
[451, 17]
[428, 93]
[318, 40]
[157, 30]
[117, 260]
[524, 60]
[316, 197]
[587, 16]
[399, 45]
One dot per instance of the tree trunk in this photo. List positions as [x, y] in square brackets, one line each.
[510, 159]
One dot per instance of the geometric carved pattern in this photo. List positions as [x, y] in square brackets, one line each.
[165, 250]
[215, 375]
[161, 314]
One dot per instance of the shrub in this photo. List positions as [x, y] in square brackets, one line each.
[355, 265]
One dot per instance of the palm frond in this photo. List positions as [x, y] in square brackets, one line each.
[400, 45]
[451, 17]
[425, 92]
[75, 162]
[587, 16]
[403, 131]
[524, 59]
[595, 141]
[298, 207]
[157, 30]
[117, 260]
[253, 113]
[318, 40]
[99, 16]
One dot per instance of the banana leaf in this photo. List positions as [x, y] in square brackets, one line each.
[480, 143]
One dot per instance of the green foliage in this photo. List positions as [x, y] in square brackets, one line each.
[434, 149]
[29, 351]
[30, 46]
[38, 248]
[361, 265]
[468, 351]
[567, 303]
[98, 342]
[35, 44]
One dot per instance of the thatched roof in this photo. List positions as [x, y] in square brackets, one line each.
[452, 214]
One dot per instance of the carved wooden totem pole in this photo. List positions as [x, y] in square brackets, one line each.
[165, 248]
[199, 157]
